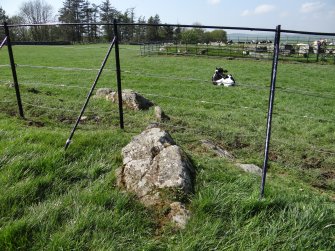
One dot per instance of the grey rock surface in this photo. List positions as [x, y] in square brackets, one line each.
[157, 171]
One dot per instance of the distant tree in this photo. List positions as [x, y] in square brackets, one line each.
[193, 36]
[127, 32]
[177, 34]
[131, 29]
[37, 12]
[107, 15]
[95, 16]
[216, 36]
[72, 12]
[167, 33]
[3, 18]
[67, 15]
[153, 32]
[85, 17]
[18, 33]
[141, 30]
[189, 36]
[89, 14]
[200, 33]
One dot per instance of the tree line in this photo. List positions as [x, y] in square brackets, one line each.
[100, 19]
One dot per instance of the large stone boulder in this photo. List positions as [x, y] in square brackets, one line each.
[103, 92]
[158, 172]
[131, 99]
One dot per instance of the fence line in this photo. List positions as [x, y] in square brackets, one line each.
[289, 90]
[6, 101]
[56, 85]
[280, 113]
[60, 68]
[305, 116]
[196, 101]
[307, 93]
[202, 81]
[323, 151]
[329, 152]
[48, 108]
[276, 51]
[106, 113]
[311, 147]
[74, 111]
[199, 131]
[194, 130]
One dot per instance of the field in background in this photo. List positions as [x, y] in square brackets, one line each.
[53, 199]
[253, 46]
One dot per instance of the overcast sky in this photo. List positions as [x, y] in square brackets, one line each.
[306, 15]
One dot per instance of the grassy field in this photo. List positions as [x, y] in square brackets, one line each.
[56, 200]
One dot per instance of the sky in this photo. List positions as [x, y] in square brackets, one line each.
[302, 15]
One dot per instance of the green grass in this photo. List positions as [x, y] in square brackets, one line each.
[54, 200]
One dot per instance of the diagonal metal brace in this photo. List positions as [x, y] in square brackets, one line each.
[68, 141]
[3, 42]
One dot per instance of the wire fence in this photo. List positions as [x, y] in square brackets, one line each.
[188, 128]
[190, 100]
[64, 106]
[295, 91]
[191, 80]
[302, 92]
[143, 74]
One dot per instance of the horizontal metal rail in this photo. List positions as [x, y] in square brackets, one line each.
[179, 25]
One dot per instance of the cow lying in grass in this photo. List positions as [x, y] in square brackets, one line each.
[221, 78]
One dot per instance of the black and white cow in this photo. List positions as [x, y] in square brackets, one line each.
[221, 78]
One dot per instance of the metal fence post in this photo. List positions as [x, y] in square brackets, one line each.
[270, 107]
[118, 73]
[13, 67]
